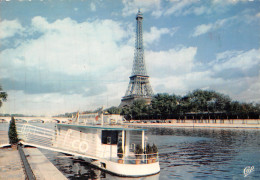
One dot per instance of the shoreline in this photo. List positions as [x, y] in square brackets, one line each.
[197, 125]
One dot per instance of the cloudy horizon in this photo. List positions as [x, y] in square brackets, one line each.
[65, 56]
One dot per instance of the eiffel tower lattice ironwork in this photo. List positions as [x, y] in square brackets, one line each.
[139, 86]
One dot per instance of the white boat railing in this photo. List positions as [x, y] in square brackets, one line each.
[34, 134]
[48, 138]
[138, 158]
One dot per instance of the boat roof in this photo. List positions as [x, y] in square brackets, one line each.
[119, 128]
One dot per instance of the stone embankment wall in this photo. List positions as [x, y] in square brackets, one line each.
[216, 121]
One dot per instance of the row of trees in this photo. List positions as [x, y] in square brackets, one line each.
[199, 102]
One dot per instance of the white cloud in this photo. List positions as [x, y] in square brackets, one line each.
[239, 72]
[155, 34]
[251, 93]
[197, 7]
[160, 8]
[200, 10]
[40, 24]
[238, 60]
[155, 7]
[177, 7]
[227, 2]
[204, 28]
[245, 16]
[235, 73]
[157, 13]
[10, 28]
[46, 104]
[92, 6]
[68, 58]
[174, 62]
[78, 47]
[131, 6]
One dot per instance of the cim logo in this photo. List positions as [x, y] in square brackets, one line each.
[75, 143]
[248, 170]
[82, 146]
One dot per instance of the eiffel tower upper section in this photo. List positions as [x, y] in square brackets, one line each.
[139, 62]
[139, 86]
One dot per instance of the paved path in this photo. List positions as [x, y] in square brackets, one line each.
[41, 166]
[11, 167]
[4, 138]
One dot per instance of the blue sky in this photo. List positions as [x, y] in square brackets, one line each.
[62, 56]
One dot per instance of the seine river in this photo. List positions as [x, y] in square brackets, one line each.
[186, 153]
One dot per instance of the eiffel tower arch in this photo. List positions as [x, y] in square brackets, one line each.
[139, 86]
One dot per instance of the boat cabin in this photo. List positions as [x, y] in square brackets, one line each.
[112, 148]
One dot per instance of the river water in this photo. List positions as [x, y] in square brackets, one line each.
[185, 153]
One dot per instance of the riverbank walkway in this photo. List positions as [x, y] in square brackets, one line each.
[196, 125]
[42, 168]
[12, 167]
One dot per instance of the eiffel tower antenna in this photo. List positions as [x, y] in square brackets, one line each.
[139, 86]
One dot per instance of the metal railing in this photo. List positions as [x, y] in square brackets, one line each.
[138, 158]
[69, 141]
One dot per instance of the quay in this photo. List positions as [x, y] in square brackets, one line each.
[42, 168]
[12, 166]
[205, 123]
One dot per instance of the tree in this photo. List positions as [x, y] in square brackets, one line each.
[208, 101]
[3, 96]
[164, 104]
[12, 133]
[126, 111]
[114, 110]
[185, 105]
[205, 103]
[138, 108]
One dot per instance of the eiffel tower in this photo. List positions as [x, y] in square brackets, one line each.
[139, 86]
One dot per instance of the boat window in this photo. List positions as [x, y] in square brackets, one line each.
[109, 137]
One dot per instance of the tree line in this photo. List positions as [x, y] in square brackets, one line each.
[198, 104]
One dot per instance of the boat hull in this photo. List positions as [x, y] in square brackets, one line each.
[128, 170]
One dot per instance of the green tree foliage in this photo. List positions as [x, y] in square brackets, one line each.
[139, 108]
[165, 104]
[114, 110]
[194, 104]
[207, 101]
[3, 96]
[12, 133]
[126, 111]
[199, 101]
